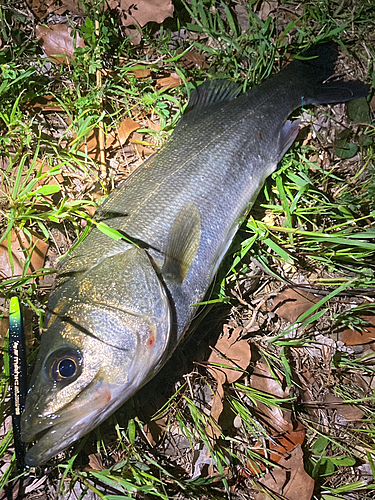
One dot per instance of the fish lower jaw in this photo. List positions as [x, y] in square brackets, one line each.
[53, 441]
[58, 432]
[73, 423]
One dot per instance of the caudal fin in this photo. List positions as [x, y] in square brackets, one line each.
[316, 65]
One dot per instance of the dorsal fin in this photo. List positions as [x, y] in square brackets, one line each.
[212, 92]
[183, 244]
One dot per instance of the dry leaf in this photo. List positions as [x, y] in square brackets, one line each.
[168, 82]
[263, 380]
[122, 133]
[154, 429]
[193, 59]
[142, 148]
[286, 433]
[349, 412]
[59, 7]
[213, 429]
[268, 7]
[290, 480]
[20, 248]
[44, 103]
[95, 461]
[152, 125]
[141, 72]
[57, 42]
[4, 327]
[140, 12]
[292, 303]
[363, 336]
[242, 14]
[276, 449]
[229, 351]
[41, 8]
[91, 145]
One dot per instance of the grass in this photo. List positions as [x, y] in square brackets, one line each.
[314, 221]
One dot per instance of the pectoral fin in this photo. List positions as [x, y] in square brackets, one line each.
[183, 243]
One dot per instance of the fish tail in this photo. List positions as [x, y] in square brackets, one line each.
[313, 67]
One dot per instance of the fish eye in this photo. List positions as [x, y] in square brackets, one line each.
[65, 365]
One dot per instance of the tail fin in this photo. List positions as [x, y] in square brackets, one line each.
[313, 67]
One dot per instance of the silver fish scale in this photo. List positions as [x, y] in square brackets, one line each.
[221, 178]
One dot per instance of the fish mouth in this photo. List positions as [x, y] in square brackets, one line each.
[55, 433]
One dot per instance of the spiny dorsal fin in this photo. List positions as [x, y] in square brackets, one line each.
[212, 92]
[183, 244]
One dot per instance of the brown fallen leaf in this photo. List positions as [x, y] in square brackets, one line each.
[95, 461]
[44, 103]
[193, 59]
[213, 429]
[275, 418]
[141, 12]
[276, 449]
[58, 42]
[289, 480]
[268, 9]
[242, 15]
[284, 430]
[154, 429]
[292, 303]
[152, 125]
[363, 336]
[230, 352]
[20, 247]
[349, 412]
[90, 145]
[57, 8]
[4, 327]
[122, 133]
[143, 149]
[168, 82]
[38, 8]
[139, 72]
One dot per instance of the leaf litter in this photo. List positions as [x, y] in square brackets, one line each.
[58, 42]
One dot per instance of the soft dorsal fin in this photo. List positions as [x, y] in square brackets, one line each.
[212, 92]
[183, 244]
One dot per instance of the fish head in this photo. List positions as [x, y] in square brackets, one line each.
[99, 347]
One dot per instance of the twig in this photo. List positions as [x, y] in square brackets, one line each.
[102, 163]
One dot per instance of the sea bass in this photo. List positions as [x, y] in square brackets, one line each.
[119, 308]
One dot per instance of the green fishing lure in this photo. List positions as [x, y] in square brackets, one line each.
[18, 376]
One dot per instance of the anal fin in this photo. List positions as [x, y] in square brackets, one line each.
[288, 135]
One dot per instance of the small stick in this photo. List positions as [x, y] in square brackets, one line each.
[102, 163]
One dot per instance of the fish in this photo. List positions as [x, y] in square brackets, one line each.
[119, 308]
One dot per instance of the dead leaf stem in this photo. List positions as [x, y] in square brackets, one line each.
[102, 163]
